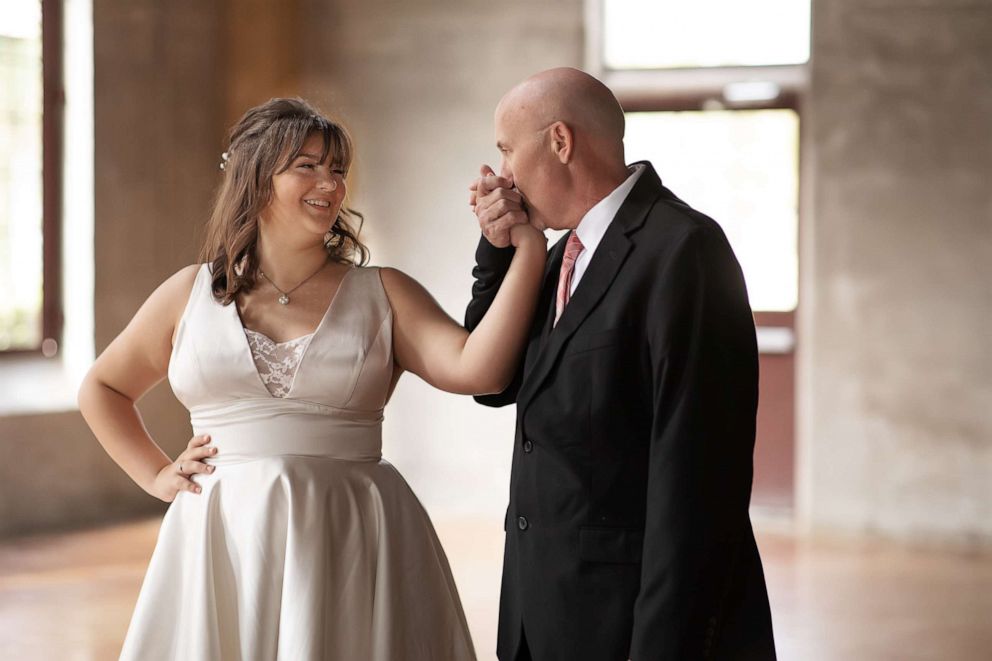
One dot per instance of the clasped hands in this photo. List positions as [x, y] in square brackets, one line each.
[499, 208]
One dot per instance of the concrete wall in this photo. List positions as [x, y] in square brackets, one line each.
[895, 358]
[262, 54]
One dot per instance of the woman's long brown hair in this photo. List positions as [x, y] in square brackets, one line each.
[263, 143]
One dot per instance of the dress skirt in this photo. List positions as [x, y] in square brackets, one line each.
[298, 558]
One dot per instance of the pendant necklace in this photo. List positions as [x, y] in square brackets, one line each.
[284, 295]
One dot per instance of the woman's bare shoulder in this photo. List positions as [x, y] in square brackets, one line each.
[400, 287]
[178, 286]
[169, 300]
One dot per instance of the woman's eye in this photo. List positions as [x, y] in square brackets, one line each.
[306, 165]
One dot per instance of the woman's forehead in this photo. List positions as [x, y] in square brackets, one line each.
[314, 147]
[314, 143]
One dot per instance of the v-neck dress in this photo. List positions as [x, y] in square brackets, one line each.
[304, 543]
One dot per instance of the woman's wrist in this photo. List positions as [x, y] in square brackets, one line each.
[527, 237]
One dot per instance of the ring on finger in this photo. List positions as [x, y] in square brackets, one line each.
[179, 467]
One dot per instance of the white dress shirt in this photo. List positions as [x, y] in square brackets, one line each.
[597, 220]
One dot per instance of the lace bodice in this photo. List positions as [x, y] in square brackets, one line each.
[276, 362]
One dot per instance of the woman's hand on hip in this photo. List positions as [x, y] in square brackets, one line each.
[177, 475]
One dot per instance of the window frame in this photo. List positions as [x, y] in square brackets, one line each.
[686, 88]
[701, 89]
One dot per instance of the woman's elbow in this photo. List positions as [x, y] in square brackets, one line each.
[489, 383]
[84, 395]
[91, 389]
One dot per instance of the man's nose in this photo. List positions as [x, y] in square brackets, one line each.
[504, 169]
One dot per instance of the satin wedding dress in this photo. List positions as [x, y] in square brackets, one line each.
[304, 543]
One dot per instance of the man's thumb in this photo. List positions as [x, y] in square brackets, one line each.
[485, 171]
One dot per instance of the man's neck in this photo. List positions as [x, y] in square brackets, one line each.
[595, 189]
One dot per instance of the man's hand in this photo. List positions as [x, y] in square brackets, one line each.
[497, 206]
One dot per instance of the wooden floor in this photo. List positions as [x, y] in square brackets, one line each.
[68, 597]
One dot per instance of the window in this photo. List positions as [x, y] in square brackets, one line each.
[751, 187]
[712, 91]
[662, 34]
[30, 52]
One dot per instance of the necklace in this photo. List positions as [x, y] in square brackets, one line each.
[284, 295]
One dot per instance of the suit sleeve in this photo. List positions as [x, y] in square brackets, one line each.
[703, 360]
[491, 265]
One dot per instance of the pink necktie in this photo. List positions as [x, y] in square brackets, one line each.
[572, 249]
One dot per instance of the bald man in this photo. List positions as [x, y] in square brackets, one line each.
[627, 531]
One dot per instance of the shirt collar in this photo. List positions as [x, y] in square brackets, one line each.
[597, 220]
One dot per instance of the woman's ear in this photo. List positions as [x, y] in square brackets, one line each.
[562, 142]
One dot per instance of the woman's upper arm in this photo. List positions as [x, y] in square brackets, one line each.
[426, 341]
[138, 358]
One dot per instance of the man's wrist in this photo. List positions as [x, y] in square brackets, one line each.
[489, 256]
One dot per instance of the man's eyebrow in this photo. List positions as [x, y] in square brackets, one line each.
[500, 145]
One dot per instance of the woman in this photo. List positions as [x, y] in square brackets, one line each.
[288, 537]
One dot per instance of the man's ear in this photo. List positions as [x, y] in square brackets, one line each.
[562, 141]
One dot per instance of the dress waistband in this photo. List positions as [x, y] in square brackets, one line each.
[253, 429]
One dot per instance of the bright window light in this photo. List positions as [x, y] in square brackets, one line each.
[20, 175]
[662, 34]
[742, 169]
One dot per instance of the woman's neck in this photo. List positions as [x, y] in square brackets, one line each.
[288, 264]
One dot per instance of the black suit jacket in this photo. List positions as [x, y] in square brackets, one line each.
[627, 532]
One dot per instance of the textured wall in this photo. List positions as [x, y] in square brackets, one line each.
[896, 362]
[262, 53]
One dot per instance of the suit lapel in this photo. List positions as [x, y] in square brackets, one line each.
[600, 274]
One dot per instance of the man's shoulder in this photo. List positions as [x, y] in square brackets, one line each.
[673, 234]
[670, 222]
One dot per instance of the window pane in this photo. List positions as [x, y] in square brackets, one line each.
[20, 176]
[742, 168]
[662, 34]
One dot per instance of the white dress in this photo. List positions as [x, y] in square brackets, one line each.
[304, 543]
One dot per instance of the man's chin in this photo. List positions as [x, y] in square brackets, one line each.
[537, 222]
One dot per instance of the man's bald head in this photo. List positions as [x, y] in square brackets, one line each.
[568, 95]
[560, 136]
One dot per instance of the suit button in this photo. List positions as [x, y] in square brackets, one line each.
[528, 446]
[522, 523]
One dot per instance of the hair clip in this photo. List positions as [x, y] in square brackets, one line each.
[223, 160]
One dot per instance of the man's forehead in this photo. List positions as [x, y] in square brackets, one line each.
[509, 118]
[501, 128]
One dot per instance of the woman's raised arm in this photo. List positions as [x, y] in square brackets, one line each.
[433, 346]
